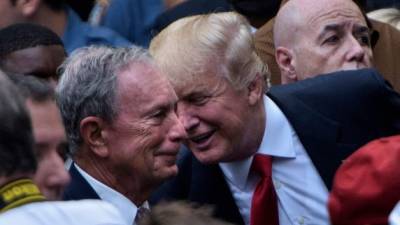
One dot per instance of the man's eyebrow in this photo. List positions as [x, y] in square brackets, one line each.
[328, 28]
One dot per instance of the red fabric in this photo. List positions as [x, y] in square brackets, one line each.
[367, 185]
[264, 207]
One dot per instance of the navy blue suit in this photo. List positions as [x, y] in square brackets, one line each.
[333, 115]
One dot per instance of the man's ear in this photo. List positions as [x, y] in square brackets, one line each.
[256, 90]
[284, 58]
[28, 7]
[92, 131]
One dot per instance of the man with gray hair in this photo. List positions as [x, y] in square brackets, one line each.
[124, 135]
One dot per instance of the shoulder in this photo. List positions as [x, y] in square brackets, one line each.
[63, 212]
[338, 83]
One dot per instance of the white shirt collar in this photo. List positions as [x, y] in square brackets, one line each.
[277, 128]
[126, 207]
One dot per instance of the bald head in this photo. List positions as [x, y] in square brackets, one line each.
[314, 37]
[300, 15]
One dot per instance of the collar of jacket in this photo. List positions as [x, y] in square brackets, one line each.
[19, 192]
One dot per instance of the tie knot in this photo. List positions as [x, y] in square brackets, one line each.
[262, 165]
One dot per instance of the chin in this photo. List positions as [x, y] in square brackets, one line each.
[168, 172]
[207, 158]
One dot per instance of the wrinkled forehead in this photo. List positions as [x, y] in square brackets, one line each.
[330, 12]
[195, 76]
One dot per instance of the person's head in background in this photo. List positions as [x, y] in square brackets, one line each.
[17, 159]
[180, 213]
[50, 142]
[314, 37]
[31, 49]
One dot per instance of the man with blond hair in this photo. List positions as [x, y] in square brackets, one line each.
[262, 159]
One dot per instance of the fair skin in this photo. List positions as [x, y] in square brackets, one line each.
[316, 37]
[141, 144]
[223, 124]
[40, 61]
[50, 146]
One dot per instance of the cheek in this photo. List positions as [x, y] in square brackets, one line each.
[369, 57]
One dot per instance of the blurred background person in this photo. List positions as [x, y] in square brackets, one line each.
[50, 142]
[31, 49]
[61, 19]
[132, 19]
[22, 201]
[366, 186]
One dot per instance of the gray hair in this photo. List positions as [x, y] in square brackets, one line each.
[88, 85]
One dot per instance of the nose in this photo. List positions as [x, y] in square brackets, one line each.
[177, 132]
[356, 52]
[187, 118]
[60, 176]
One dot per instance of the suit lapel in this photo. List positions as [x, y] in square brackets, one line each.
[79, 188]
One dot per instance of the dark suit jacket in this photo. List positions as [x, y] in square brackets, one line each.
[78, 188]
[333, 115]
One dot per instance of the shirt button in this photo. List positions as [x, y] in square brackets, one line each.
[277, 184]
[301, 220]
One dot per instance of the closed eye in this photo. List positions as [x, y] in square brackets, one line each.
[159, 114]
[198, 100]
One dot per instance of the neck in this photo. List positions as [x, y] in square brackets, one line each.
[256, 126]
[19, 192]
[126, 183]
[57, 23]
[259, 124]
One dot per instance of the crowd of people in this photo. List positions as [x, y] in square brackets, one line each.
[189, 112]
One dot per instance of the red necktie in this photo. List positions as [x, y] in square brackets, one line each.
[264, 208]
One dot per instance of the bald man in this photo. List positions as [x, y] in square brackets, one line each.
[314, 37]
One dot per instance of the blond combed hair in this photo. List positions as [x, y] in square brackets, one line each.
[220, 42]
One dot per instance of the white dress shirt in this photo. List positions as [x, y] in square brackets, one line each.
[82, 212]
[302, 195]
[126, 207]
[394, 218]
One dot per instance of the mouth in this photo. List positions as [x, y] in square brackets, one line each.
[203, 139]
